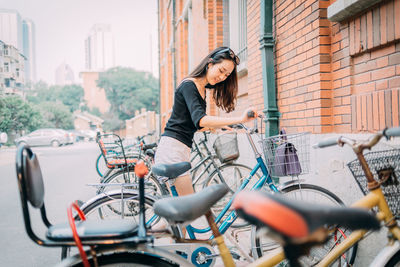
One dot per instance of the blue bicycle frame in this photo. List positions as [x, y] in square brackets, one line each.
[230, 219]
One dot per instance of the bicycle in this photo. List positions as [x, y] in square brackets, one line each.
[377, 176]
[110, 242]
[206, 164]
[114, 152]
[226, 217]
[121, 167]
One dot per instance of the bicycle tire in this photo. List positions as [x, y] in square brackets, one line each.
[109, 202]
[128, 259]
[233, 184]
[394, 261]
[101, 166]
[330, 198]
[152, 185]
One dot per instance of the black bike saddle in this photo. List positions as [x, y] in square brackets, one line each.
[190, 207]
[294, 219]
[171, 170]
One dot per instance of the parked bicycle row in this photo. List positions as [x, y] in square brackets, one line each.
[133, 196]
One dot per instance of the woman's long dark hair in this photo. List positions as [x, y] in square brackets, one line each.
[225, 92]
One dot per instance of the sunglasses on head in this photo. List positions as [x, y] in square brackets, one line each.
[232, 55]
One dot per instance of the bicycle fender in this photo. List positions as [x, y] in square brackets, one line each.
[289, 183]
[114, 192]
[385, 254]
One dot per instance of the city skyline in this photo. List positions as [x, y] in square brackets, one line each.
[63, 26]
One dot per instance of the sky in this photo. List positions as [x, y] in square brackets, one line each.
[63, 25]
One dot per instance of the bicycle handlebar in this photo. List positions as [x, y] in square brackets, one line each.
[391, 132]
[327, 142]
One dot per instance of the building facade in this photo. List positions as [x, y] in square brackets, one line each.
[18, 58]
[94, 96]
[99, 48]
[29, 49]
[309, 72]
[11, 28]
[12, 62]
[64, 74]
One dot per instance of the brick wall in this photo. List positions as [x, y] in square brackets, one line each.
[254, 64]
[337, 77]
[207, 19]
[370, 66]
[303, 65]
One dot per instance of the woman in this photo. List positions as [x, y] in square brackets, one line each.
[216, 72]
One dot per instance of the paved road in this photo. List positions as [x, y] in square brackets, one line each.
[65, 170]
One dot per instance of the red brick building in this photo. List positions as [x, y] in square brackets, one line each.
[330, 75]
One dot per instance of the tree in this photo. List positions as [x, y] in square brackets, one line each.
[129, 90]
[56, 115]
[69, 95]
[16, 115]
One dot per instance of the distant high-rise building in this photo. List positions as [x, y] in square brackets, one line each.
[29, 49]
[99, 48]
[64, 74]
[11, 28]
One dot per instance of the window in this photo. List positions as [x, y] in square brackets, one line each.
[238, 29]
[6, 67]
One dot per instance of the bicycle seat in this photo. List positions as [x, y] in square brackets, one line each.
[293, 220]
[93, 230]
[190, 207]
[171, 170]
[149, 146]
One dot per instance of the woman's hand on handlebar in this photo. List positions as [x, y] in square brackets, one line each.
[249, 115]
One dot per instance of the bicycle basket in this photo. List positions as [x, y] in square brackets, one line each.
[287, 154]
[385, 166]
[226, 147]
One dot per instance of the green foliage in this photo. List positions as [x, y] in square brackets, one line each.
[69, 95]
[112, 123]
[56, 115]
[128, 90]
[17, 115]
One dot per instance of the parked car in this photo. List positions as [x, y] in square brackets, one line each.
[44, 137]
[70, 136]
[90, 135]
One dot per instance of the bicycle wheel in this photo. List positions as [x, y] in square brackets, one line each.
[394, 261]
[152, 185]
[312, 194]
[126, 259]
[116, 206]
[233, 175]
[101, 166]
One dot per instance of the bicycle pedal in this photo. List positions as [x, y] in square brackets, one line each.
[235, 255]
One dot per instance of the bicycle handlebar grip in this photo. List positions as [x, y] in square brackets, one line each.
[251, 114]
[327, 142]
[392, 132]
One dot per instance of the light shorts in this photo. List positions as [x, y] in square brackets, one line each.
[169, 151]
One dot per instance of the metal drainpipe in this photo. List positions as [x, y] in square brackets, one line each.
[173, 50]
[159, 72]
[268, 71]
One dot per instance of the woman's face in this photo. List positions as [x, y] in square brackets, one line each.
[220, 71]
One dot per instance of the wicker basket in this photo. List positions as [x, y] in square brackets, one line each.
[287, 154]
[383, 164]
[226, 147]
